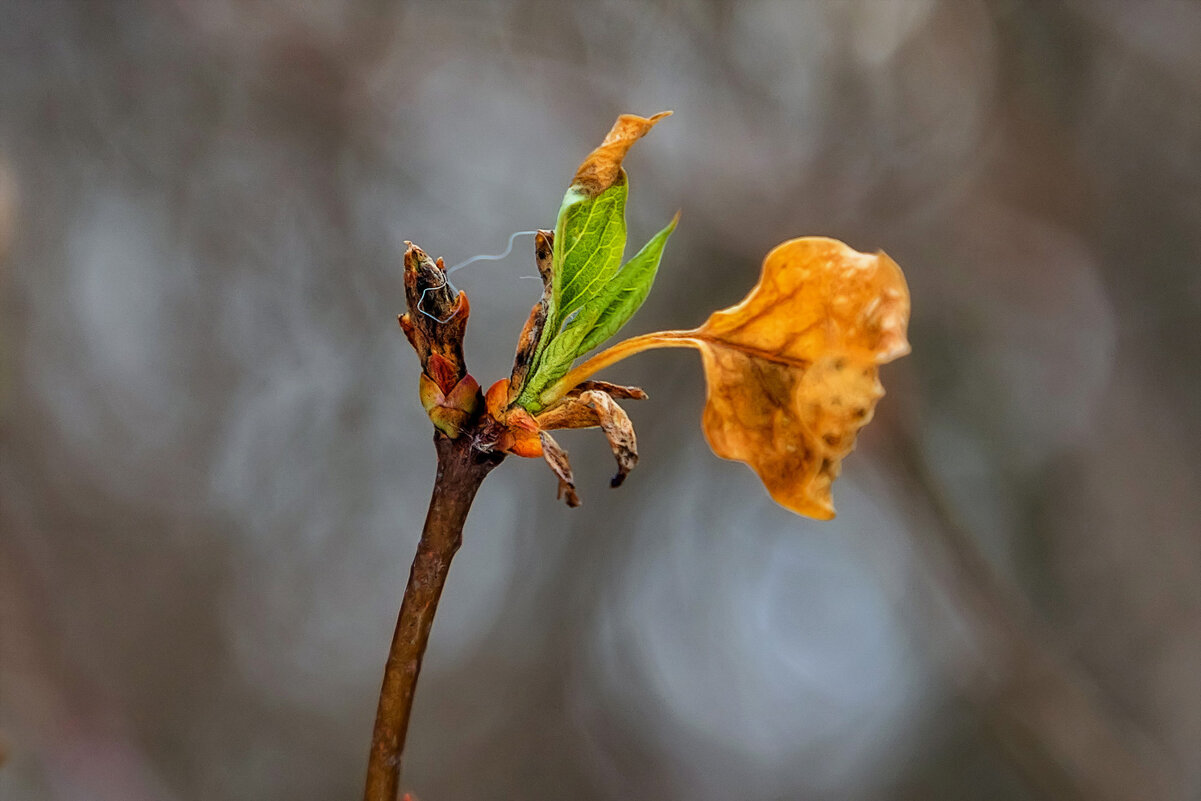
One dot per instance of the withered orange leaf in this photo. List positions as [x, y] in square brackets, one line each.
[792, 369]
[600, 170]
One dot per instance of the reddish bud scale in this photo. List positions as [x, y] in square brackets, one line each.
[520, 431]
[450, 412]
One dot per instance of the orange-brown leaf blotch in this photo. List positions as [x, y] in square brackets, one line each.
[792, 369]
[600, 170]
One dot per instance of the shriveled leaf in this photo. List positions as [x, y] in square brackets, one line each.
[594, 408]
[618, 430]
[556, 457]
[531, 334]
[598, 172]
[590, 232]
[613, 390]
[571, 412]
[792, 369]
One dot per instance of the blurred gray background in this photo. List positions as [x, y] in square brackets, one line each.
[215, 467]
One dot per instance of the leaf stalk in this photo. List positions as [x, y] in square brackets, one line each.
[622, 350]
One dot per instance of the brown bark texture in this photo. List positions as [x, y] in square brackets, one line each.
[461, 470]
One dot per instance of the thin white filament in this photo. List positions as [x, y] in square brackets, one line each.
[461, 265]
[497, 257]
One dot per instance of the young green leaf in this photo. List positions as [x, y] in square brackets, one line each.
[625, 293]
[590, 238]
[607, 310]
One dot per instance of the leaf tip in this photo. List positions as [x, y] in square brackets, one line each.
[602, 168]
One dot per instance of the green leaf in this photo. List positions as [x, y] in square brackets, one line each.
[590, 238]
[599, 318]
[625, 293]
[557, 359]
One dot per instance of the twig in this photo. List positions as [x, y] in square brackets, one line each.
[453, 401]
[461, 470]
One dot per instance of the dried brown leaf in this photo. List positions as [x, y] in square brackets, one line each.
[613, 390]
[618, 430]
[792, 369]
[556, 457]
[595, 408]
[527, 343]
[600, 170]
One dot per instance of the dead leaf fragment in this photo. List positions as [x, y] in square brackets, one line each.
[618, 429]
[556, 457]
[612, 390]
[596, 408]
[600, 170]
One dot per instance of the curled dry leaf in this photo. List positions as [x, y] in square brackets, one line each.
[602, 167]
[792, 369]
[556, 457]
[531, 333]
[597, 408]
[613, 390]
[592, 404]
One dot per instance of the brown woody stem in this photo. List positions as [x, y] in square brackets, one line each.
[461, 470]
